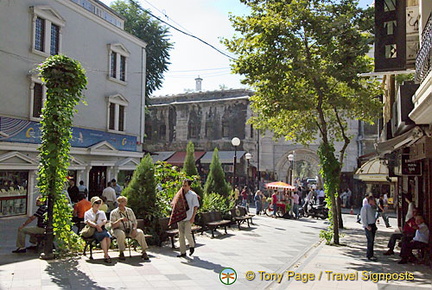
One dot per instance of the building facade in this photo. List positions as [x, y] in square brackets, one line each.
[403, 49]
[107, 131]
[211, 119]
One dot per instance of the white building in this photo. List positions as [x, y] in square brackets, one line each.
[107, 132]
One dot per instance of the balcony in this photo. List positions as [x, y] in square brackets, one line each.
[423, 60]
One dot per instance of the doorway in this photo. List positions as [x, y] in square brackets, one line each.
[97, 180]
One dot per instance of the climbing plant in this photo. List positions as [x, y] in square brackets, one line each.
[64, 79]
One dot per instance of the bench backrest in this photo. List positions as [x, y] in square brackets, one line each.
[163, 222]
[212, 216]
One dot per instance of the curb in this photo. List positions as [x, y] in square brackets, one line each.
[298, 263]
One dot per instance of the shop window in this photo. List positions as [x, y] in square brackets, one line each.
[13, 192]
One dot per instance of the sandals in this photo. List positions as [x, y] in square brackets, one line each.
[107, 260]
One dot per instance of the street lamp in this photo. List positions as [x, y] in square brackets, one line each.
[235, 142]
[291, 160]
[248, 157]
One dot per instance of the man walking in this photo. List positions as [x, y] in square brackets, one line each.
[185, 205]
[368, 220]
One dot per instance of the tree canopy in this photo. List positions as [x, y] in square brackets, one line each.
[304, 59]
[139, 24]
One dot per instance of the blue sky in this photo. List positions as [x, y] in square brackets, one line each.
[207, 19]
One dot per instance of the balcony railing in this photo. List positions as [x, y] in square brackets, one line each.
[423, 60]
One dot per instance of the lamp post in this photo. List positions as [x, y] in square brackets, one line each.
[291, 160]
[248, 157]
[235, 142]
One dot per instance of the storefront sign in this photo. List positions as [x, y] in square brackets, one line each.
[410, 167]
[23, 131]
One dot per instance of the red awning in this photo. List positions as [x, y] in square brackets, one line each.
[178, 158]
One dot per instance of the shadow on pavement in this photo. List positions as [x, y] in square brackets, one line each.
[197, 262]
[66, 274]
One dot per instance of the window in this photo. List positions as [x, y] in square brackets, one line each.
[39, 34]
[118, 55]
[47, 25]
[117, 113]
[37, 99]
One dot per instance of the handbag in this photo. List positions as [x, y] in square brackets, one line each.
[88, 231]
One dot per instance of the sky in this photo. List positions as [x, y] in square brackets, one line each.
[208, 20]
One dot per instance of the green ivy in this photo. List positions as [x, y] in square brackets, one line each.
[330, 171]
[64, 79]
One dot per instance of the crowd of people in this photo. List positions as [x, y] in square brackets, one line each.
[122, 220]
[111, 207]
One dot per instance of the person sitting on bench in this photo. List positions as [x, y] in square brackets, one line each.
[124, 224]
[407, 233]
[39, 229]
[420, 241]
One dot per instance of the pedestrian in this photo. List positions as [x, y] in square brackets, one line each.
[364, 202]
[244, 196]
[295, 202]
[82, 188]
[368, 220]
[73, 191]
[117, 188]
[258, 201]
[110, 194]
[184, 208]
[381, 211]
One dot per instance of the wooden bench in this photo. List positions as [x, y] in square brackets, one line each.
[240, 215]
[213, 220]
[172, 231]
[92, 242]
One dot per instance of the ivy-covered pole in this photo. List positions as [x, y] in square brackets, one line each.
[64, 79]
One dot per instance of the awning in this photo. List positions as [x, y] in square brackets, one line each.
[374, 170]
[178, 158]
[399, 141]
[225, 157]
[162, 156]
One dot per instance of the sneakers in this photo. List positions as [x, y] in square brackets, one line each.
[145, 257]
[181, 255]
[191, 251]
[388, 253]
[373, 259]
[19, 251]
[122, 256]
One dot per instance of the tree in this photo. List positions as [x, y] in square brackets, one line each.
[189, 166]
[216, 182]
[64, 79]
[139, 23]
[303, 58]
[141, 194]
[191, 170]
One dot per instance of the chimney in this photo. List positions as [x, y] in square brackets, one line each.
[198, 81]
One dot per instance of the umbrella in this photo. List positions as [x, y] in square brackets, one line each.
[279, 184]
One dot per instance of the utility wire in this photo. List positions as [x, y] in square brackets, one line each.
[181, 31]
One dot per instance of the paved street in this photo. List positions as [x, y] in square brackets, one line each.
[270, 246]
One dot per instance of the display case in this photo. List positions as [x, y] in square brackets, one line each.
[13, 193]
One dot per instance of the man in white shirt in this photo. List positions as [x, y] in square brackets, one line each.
[184, 226]
[111, 197]
[420, 241]
[368, 221]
